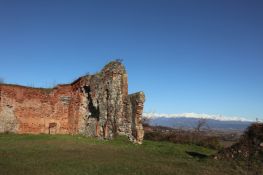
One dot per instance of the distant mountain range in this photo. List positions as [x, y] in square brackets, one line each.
[191, 120]
[191, 123]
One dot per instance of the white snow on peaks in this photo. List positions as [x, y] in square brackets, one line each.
[197, 115]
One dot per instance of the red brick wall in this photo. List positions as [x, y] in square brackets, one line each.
[36, 108]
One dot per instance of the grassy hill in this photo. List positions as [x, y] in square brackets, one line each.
[78, 155]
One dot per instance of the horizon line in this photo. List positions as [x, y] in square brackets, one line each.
[200, 115]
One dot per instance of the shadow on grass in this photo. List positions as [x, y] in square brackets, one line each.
[196, 154]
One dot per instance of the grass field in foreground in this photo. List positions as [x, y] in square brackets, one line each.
[79, 155]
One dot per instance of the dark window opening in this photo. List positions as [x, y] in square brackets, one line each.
[52, 128]
[94, 112]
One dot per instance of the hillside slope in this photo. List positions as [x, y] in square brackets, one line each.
[67, 155]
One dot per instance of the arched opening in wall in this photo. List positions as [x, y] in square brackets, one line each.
[94, 112]
[52, 128]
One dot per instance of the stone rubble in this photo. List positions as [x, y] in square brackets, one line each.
[249, 146]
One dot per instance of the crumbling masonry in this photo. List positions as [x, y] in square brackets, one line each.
[94, 105]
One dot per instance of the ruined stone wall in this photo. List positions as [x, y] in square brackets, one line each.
[29, 110]
[136, 103]
[93, 105]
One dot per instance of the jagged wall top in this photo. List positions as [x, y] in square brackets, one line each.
[113, 67]
[94, 105]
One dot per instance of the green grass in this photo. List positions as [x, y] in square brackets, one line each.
[79, 155]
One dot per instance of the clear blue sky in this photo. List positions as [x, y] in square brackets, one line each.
[187, 56]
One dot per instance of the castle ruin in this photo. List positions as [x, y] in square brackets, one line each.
[93, 105]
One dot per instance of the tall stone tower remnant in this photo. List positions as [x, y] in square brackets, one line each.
[93, 105]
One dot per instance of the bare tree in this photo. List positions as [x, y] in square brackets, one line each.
[146, 121]
[200, 124]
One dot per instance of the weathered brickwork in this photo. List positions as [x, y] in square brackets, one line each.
[93, 105]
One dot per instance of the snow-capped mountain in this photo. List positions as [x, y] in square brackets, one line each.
[190, 120]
